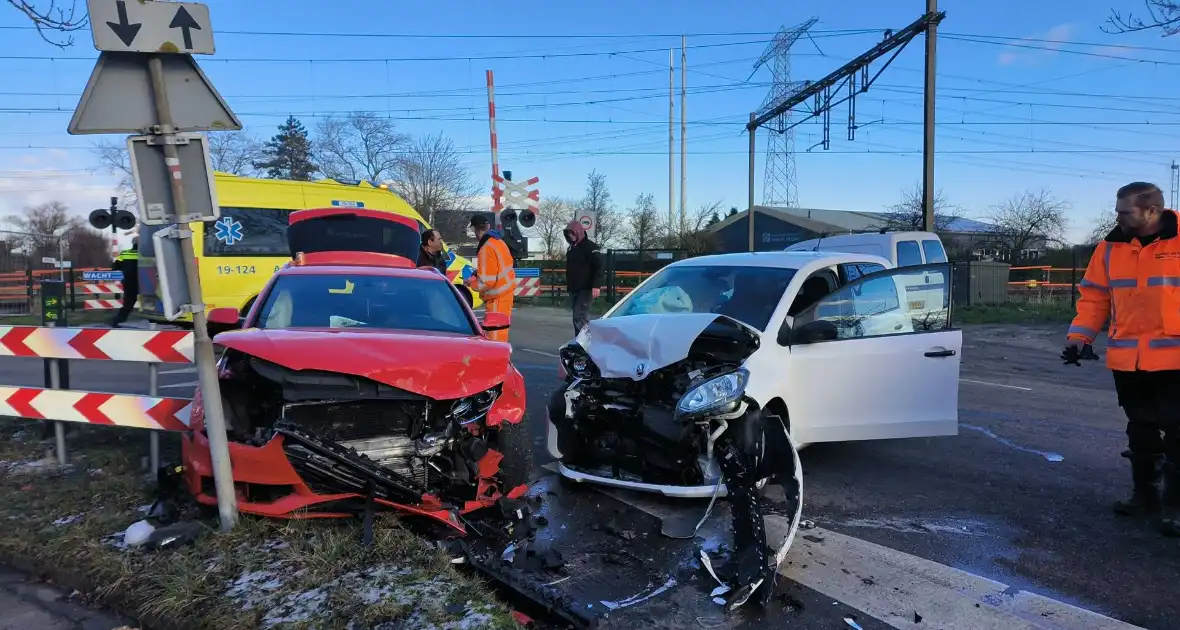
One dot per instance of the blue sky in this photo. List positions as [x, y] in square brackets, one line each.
[1079, 119]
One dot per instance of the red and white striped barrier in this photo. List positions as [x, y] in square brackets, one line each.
[527, 287]
[145, 346]
[117, 410]
[102, 288]
[103, 305]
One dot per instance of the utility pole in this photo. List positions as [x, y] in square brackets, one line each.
[671, 142]
[928, 118]
[223, 480]
[683, 134]
[751, 129]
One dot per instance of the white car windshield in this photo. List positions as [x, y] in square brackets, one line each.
[364, 301]
[747, 294]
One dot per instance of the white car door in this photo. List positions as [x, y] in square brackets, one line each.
[882, 368]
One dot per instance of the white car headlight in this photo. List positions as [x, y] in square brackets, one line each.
[714, 394]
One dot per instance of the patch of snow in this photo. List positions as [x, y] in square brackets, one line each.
[253, 588]
[381, 584]
[68, 520]
[29, 467]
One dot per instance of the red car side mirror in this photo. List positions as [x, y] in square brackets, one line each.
[225, 316]
[495, 321]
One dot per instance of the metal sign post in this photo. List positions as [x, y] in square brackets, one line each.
[145, 83]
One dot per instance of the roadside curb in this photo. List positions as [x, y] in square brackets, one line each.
[74, 580]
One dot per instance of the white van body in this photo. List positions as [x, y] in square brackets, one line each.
[903, 249]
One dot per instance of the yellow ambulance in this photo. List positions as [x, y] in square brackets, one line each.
[240, 251]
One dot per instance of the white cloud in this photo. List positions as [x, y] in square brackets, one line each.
[1035, 48]
[41, 177]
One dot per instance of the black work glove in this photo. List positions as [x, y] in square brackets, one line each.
[1072, 355]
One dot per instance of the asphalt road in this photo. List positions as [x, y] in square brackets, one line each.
[1020, 496]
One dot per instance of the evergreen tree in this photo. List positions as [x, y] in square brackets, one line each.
[732, 211]
[288, 153]
[714, 219]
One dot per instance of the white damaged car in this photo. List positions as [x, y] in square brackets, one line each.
[713, 372]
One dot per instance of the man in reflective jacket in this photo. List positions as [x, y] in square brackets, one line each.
[494, 278]
[1133, 284]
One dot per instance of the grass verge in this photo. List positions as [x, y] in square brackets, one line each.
[265, 574]
[1013, 313]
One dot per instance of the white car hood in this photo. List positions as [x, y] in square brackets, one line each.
[633, 346]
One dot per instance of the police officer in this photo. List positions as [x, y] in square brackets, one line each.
[1133, 280]
[128, 263]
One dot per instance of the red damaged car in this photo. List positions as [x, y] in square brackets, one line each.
[360, 380]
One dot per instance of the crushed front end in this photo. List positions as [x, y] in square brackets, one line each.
[659, 404]
[316, 444]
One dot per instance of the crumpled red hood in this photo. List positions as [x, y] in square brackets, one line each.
[437, 365]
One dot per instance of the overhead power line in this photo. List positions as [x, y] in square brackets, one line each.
[502, 36]
[489, 57]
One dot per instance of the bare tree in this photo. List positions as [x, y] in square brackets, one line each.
[598, 200]
[694, 236]
[234, 152]
[553, 215]
[431, 177]
[113, 160]
[1100, 226]
[41, 228]
[643, 223]
[1161, 14]
[359, 146]
[50, 17]
[1028, 221]
[908, 214]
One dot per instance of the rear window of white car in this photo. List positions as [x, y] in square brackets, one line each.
[747, 294]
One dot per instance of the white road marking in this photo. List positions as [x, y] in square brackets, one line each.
[891, 585]
[540, 352]
[967, 380]
[177, 385]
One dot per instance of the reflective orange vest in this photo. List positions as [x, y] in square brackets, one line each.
[1134, 288]
[494, 275]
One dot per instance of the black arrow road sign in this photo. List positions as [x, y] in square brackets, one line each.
[183, 21]
[127, 32]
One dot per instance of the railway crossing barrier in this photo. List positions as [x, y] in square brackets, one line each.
[53, 404]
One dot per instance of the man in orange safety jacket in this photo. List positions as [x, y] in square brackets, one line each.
[494, 278]
[1133, 284]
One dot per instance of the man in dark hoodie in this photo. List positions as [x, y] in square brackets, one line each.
[583, 273]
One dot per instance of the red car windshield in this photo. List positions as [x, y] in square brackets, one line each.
[364, 301]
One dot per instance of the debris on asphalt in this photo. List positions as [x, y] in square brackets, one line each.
[814, 539]
[852, 623]
[917, 617]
